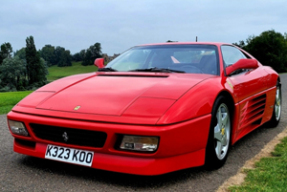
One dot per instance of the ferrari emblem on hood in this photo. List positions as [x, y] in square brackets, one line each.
[77, 107]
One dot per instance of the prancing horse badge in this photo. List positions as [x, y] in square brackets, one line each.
[76, 108]
[65, 136]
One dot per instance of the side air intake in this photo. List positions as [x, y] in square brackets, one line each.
[252, 112]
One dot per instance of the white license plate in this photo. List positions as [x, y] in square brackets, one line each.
[69, 155]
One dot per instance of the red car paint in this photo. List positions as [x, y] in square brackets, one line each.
[176, 107]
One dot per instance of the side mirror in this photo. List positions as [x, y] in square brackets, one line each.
[99, 63]
[242, 64]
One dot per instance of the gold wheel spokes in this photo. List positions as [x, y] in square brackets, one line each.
[222, 131]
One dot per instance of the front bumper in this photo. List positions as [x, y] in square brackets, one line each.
[181, 145]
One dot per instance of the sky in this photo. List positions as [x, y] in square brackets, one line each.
[121, 24]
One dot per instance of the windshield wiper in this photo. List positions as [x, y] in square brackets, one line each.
[106, 69]
[154, 69]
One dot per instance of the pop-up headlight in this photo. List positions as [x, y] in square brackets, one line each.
[139, 143]
[18, 128]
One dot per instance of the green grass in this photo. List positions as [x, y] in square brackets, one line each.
[9, 99]
[270, 174]
[76, 68]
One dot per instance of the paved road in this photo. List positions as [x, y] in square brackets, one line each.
[22, 173]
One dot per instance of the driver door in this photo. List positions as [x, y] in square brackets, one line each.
[248, 86]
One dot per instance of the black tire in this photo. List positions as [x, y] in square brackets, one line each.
[276, 108]
[219, 138]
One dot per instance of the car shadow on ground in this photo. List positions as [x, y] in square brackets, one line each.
[108, 177]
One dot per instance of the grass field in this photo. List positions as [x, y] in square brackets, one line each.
[270, 174]
[76, 68]
[9, 99]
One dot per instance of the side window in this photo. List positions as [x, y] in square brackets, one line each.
[231, 55]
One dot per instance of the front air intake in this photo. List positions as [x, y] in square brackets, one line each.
[70, 136]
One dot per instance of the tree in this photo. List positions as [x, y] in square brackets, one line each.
[13, 74]
[5, 52]
[65, 59]
[48, 53]
[21, 53]
[88, 58]
[58, 53]
[56, 56]
[93, 52]
[270, 48]
[82, 54]
[36, 69]
[77, 57]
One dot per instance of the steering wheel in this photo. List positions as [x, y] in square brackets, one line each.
[190, 69]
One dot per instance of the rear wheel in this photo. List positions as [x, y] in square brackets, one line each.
[276, 108]
[219, 135]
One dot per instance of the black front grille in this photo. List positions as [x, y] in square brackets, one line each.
[69, 135]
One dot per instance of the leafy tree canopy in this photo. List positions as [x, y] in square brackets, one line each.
[48, 53]
[93, 52]
[5, 51]
[65, 59]
[270, 48]
[56, 56]
[80, 56]
[21, 53]
[13, 74]
[36, 69]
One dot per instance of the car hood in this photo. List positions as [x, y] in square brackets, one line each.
[114, 94]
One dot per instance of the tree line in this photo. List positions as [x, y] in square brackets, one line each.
[269, 48]
[26, 69]
[18, 73]
[61, 57]
[56, 55]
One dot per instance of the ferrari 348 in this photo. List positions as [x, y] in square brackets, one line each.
[155, 109]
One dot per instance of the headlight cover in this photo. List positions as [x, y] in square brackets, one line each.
[139, 143]
[18, 128]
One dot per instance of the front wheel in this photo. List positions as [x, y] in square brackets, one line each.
[219, 135]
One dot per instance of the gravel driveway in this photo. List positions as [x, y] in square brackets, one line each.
[22, 173]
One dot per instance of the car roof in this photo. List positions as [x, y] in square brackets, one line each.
[187, 43]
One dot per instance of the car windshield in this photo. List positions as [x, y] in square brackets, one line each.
[168, 59]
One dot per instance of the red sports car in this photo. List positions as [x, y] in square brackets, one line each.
[154, 109]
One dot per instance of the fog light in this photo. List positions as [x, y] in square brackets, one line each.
[18, 128]
[139, 143]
